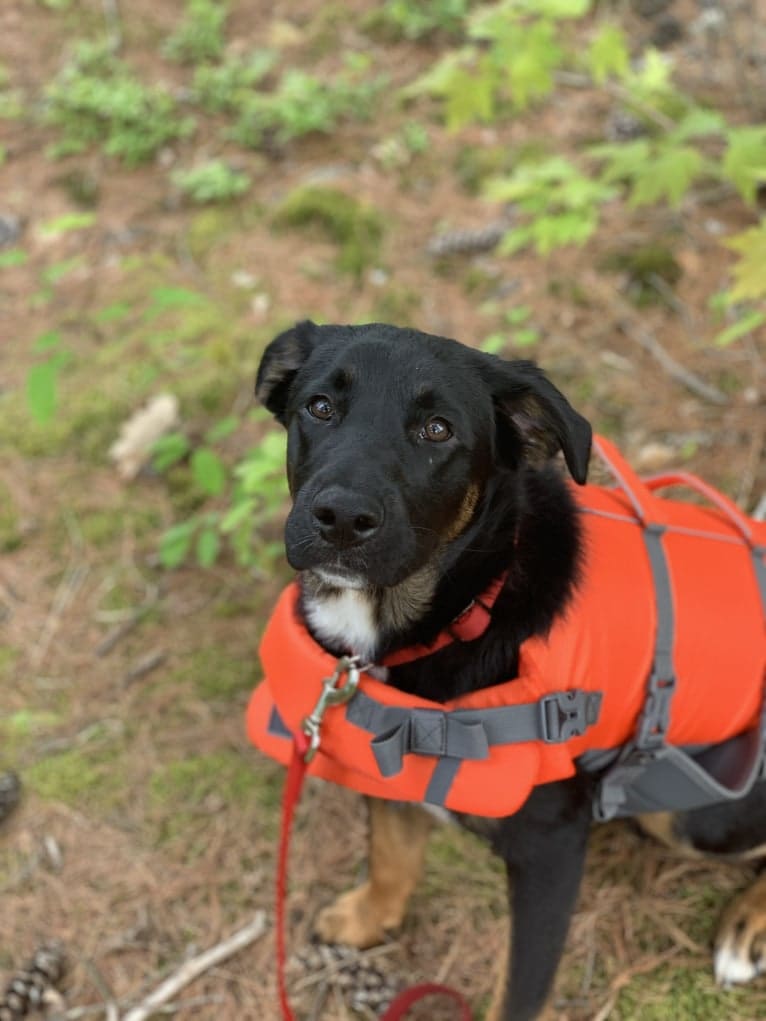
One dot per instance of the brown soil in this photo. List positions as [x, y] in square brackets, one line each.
[142, 864]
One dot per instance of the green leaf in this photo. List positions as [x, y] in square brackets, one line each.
[526, 337]
[221, 429]
[238, 514]
[66, 223]
[653, 77]
[47, 341]
[42, 391]
[174, 297]
[494, 343]
[208, 471]
[208, 547]
[750, 271]
[112, 313]
[747, 324]
[745, 160]
[608, 54]
[13, 257]
[668, 174]
[518, 315]
[169, 450]
[699, 123]
[175, 543]
[469, 98]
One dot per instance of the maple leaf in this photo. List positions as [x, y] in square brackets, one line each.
[750, 271]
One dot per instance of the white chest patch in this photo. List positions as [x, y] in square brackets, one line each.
[344, 618]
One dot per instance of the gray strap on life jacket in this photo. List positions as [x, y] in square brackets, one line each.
[650, 775]
[453, 736]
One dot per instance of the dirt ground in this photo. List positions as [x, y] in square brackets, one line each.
[148, 825]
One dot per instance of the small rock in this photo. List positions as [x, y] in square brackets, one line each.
[142, 430]
[10, 229]
[653, 456]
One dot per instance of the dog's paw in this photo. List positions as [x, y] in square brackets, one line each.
[354, 919]
[740, 945]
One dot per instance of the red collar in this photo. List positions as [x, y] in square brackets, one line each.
[468, 625]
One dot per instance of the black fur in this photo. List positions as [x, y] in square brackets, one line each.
[375, 501]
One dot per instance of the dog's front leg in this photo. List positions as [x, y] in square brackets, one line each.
[544, 848]
[362, 917]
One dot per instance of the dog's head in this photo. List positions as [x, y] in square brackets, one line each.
[393, 436]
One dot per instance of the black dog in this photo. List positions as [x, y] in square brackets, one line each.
[420, 469]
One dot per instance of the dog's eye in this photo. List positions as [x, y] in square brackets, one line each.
[436, 430]
[320, 407]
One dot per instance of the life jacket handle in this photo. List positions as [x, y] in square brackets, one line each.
[727, 507]
[641, 492]
[634, 488]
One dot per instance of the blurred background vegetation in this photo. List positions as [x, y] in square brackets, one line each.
[576, 181]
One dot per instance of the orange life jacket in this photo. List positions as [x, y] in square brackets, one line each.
[659, 662]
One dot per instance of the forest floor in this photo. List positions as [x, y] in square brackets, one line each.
[147, 826]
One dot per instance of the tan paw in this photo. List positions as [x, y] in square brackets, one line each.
[740, 945]
[353, 919]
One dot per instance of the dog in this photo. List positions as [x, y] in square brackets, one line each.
[419, 470]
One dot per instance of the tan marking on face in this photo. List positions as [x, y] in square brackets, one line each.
[465, 513]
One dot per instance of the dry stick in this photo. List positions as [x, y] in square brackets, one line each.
[196, 966]
[674, 369]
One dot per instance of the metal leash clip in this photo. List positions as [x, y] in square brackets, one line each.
[334, 692]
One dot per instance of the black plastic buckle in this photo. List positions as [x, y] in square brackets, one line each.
[566, 714]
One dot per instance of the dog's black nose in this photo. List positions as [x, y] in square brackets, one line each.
[345, 517]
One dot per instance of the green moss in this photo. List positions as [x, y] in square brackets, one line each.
[10, 534]
[82, 777]
[673, 993]
[189, 786]
[102, 527]
[476, 163]
[217, 675]
[644, 265]
[398, 305]
[353, 225]
[208, 228]
[8, 658]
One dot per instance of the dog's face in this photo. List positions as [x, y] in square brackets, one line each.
[393, 435]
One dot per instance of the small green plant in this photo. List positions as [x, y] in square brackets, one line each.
[96, 100]
[226, 87]
[515, 49]
[42, 378]
[199, 37]
[214, 181]
[355, 226]
[561, 204]
[303, 103]
[248, 496]
[419, 19]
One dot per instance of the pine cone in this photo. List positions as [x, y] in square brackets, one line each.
[467, 242]
[361, 983]
[27, 988]
[10, 793]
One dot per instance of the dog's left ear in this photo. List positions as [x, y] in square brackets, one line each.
[279, 365]
[535, 420]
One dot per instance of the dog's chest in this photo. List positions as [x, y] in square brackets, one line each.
[345, 618]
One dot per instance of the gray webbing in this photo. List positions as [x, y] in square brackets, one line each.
[458, 734]
[651, 775]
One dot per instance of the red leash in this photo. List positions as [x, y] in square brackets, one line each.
[292, 791]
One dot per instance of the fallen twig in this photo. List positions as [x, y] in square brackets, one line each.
[144, 666]
[196, 966]
[673, 368]
[120, 631]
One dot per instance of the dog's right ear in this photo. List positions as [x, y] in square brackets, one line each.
[279, 365]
